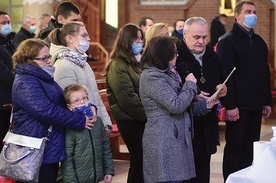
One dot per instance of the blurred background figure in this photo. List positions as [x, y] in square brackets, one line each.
[145, 23]
[217, 29]
[178, 26]
[44, 20]
[27, 30]
[158, 29]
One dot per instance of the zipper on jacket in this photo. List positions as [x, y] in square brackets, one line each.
[94, 156]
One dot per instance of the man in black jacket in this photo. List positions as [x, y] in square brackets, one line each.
[249, 93]
[66, 11]
[178, 26]
[27, 30]
[7, 49]
[204, 63]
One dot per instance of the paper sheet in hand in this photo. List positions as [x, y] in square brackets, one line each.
[215, 95]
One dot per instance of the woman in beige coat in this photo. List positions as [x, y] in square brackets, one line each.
[68, 47]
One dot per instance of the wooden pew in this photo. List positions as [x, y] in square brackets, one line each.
[115, 136]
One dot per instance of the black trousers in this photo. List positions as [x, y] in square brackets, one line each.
[48, 173]
[202, 167]
[132, 133]
[4, 124]
[239, 136]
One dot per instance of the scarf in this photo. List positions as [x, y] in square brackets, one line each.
[76, 58]
[198, 56]
[173, 73]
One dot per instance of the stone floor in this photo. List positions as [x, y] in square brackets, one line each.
[121, 167]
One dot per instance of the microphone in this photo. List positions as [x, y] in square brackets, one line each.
[184, 67]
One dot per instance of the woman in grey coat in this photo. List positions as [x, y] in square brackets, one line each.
[167, 146]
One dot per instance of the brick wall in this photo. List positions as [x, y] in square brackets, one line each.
[131, 11]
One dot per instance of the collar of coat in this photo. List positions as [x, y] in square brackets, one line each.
[184, 51]
[33, 70]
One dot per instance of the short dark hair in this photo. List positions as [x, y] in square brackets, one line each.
[65, 8]
[3, 13]
[178, 20]
[158, 53]
[143, 21]
[239, 5]
[223, 15]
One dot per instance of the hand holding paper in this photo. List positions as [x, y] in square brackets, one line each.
[216, 94]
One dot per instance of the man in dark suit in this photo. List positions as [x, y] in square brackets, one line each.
[204, 63]
[7, 48]
[249, 97]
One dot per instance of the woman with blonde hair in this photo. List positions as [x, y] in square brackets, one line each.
[157, 29]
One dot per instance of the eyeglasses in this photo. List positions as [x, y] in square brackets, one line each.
[44, 59]
[78, 101]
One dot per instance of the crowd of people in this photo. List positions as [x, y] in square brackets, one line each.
[159, 88]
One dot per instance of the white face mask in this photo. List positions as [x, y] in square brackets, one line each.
[83, 46]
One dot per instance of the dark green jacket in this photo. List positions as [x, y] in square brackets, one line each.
[88, 154]
[123, 90]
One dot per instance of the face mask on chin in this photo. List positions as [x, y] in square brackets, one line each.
[250, 20]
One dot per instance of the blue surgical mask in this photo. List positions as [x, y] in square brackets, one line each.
[136, 48]
[83, 46]
[6, 29]
[32, 29]
[180, 32]
[85, 109]
[250, 20]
